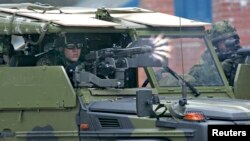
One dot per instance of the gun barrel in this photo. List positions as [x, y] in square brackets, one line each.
[128, 52]
[117, 53]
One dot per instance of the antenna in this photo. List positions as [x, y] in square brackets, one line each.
[181, 47]
[178, 109]
[183, 100]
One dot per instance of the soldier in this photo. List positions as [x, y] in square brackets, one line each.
[2, 53]
[6, 49]
[225, 39]
[67, 53]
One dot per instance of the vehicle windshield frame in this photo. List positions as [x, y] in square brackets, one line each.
[183, 34]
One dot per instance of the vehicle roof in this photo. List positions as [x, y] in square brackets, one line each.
[85, 17]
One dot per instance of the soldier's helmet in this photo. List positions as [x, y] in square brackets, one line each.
[64, 40]
[221, 31]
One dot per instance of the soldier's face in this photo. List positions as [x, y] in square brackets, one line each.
[72, 54]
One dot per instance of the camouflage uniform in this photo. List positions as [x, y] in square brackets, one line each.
[205, 72]
[221, 31]
[50, 59]
[6, 49]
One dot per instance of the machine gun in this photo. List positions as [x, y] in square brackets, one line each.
[104, 62]
[106, 67]
[240, 54]
[117, 52]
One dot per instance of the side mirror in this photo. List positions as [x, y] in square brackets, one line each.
[144, 103]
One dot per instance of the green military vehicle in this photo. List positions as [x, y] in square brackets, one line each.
[144, 76]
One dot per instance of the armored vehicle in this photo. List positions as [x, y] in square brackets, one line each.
[143, 75]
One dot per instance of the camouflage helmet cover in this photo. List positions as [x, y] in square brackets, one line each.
[64, 39]
[221, 31]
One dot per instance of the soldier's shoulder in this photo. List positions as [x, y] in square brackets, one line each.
[49, 60]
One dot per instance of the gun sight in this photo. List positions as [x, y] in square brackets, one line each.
[233, 44]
